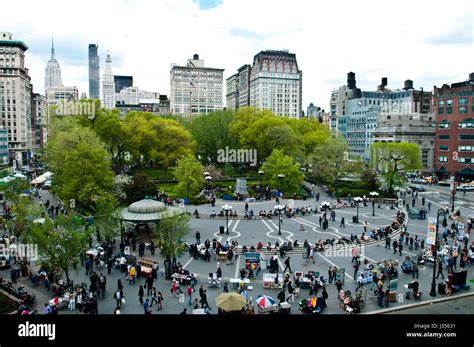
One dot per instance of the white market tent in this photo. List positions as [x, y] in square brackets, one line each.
[43, 178]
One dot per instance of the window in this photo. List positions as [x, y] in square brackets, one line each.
[449, 102]
[443, 148]
[466, 148]
[463, 101]
[441, 102]
[466, 160]
[466, 137]
[443, 159]
[444, 137]
[440, 110]
[463, 109]
[443, 125]
[449, 110]
[466, 124]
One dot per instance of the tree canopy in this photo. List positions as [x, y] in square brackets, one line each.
[279, 163]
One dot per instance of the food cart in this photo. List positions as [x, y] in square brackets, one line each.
[269, 280]
[214, 280]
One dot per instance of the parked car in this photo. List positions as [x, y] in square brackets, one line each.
[47, 184]
[417, 187]
[466, 187]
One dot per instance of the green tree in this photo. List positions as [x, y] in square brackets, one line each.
[392, 159]
[279, 163]
[169, 237]
[330, 162]
[60, 243]
[139, 188]
[211, 132]
[107, 218]
[188, 172]
[81, 165]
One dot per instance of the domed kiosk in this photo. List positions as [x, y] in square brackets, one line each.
[148, 210]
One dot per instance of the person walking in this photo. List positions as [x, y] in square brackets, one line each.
[330, 274]
[325, 296]
[429, 205]
[287, 265]
[387, 242]
[415, 270]
[400, 247]
[226, 288]
[343, 223]
[440, 269]
[320, 220]
[141, 293]
[149, 285]
[146, 306]
[356, 269]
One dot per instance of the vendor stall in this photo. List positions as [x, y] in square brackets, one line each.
[238, 283]
[252, 260]
[269, 280]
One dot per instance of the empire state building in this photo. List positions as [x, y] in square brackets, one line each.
[52, 76]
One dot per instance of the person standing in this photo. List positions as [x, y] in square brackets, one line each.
[198, 237]
[356, 269]
[387, 242]
[226, 288]
[190, 294]
[325, 297]
[141, 292]
[400, 247]
[429, 205]
[343, 223]
[330, 274]
[440, 269]
[287, 265]
[422, 244]
[320, 220]
[146, 306]
[415, 270]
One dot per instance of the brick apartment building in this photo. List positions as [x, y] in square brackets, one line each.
[454, 144]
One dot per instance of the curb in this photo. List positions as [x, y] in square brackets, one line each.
[423, 303]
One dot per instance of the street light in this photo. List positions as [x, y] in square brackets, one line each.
[279, 208]
[374, 195]
[260, 172]
[441, 212]
[357, 200]
[208, 180]
[227, 208]
[281, 177]
[453, 193]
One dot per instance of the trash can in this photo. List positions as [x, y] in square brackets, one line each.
[442, 288]
[221, 229]
[354, 219]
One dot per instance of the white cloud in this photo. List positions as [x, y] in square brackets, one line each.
[372, 38]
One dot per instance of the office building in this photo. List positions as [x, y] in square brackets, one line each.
[94, 72]
[108, 85]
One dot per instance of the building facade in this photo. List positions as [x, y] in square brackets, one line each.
[276, 83]
[15, 97]
[52, 73]
[4, 157]
[414, 128]
[54, 95]
[108, 85]
[38, 121]
[122, 82]
[94, 71]
[454, 143]
[232, 94]
[238, 88]
[135, 96]
[195, 89]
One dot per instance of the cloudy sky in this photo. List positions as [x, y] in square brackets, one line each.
[430, 42]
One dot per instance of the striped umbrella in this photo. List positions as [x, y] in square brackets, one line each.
[265, 301]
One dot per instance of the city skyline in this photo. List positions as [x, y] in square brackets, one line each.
[328, 41]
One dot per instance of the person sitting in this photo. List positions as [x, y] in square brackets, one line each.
[269, 214]
[213, 214]
[269, 246]
[235, 213]
[252, 248]
[243, 274]
[259, 245]
[244, 249]
[261, 214]
[196, 213]
[221, 214]
[295, 244]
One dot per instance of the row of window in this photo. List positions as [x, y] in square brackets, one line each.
[449, 110]
[460, 148]
[461, 137]
[449, 101]
[444, 159]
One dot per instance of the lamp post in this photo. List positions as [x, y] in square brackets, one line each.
[227, 208]
[281, 177]
[357, 200]
[260, 172]
[441, 212]
[374, 195]
[279, 208]
[453, 193]
[208, 181]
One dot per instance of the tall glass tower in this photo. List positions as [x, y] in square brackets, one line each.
[94, 69]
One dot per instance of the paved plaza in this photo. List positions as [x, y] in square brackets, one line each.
[250, 232]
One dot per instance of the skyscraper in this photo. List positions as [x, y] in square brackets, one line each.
[108, 85]
[52, 75]
[15, 96]
[94, 71]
